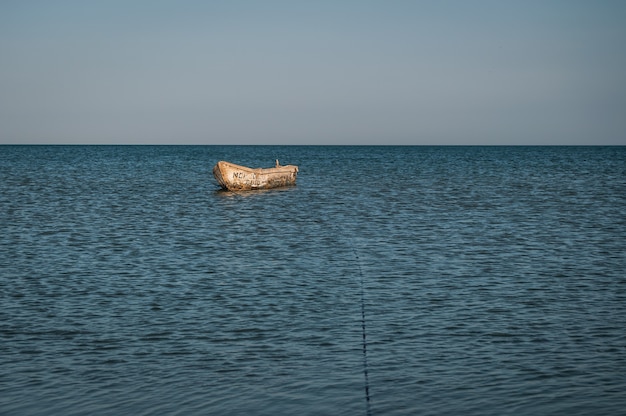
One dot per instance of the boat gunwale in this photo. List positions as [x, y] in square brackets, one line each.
[279, 169]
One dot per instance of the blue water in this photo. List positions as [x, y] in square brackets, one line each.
[492, 281]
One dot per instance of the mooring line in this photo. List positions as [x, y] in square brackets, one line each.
[365, 369]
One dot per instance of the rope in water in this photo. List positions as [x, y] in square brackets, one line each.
[365, 370]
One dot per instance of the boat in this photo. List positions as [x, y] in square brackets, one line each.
[232, 177]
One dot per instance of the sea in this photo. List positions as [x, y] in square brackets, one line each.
[390, 280]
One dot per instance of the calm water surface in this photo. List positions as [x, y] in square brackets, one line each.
[492, 280]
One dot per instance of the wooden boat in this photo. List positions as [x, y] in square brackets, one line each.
[234, 177]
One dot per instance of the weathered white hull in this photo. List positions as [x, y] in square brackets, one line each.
[234, 177]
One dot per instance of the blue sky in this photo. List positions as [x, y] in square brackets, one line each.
[313, 72]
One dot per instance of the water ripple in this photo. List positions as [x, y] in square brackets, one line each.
[491, 281]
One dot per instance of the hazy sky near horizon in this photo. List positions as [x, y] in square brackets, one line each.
[313, 72]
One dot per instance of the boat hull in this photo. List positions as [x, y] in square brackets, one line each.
[234, 177]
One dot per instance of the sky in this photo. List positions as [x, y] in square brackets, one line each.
[440, 72]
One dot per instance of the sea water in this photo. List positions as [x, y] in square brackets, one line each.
[388, 281]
